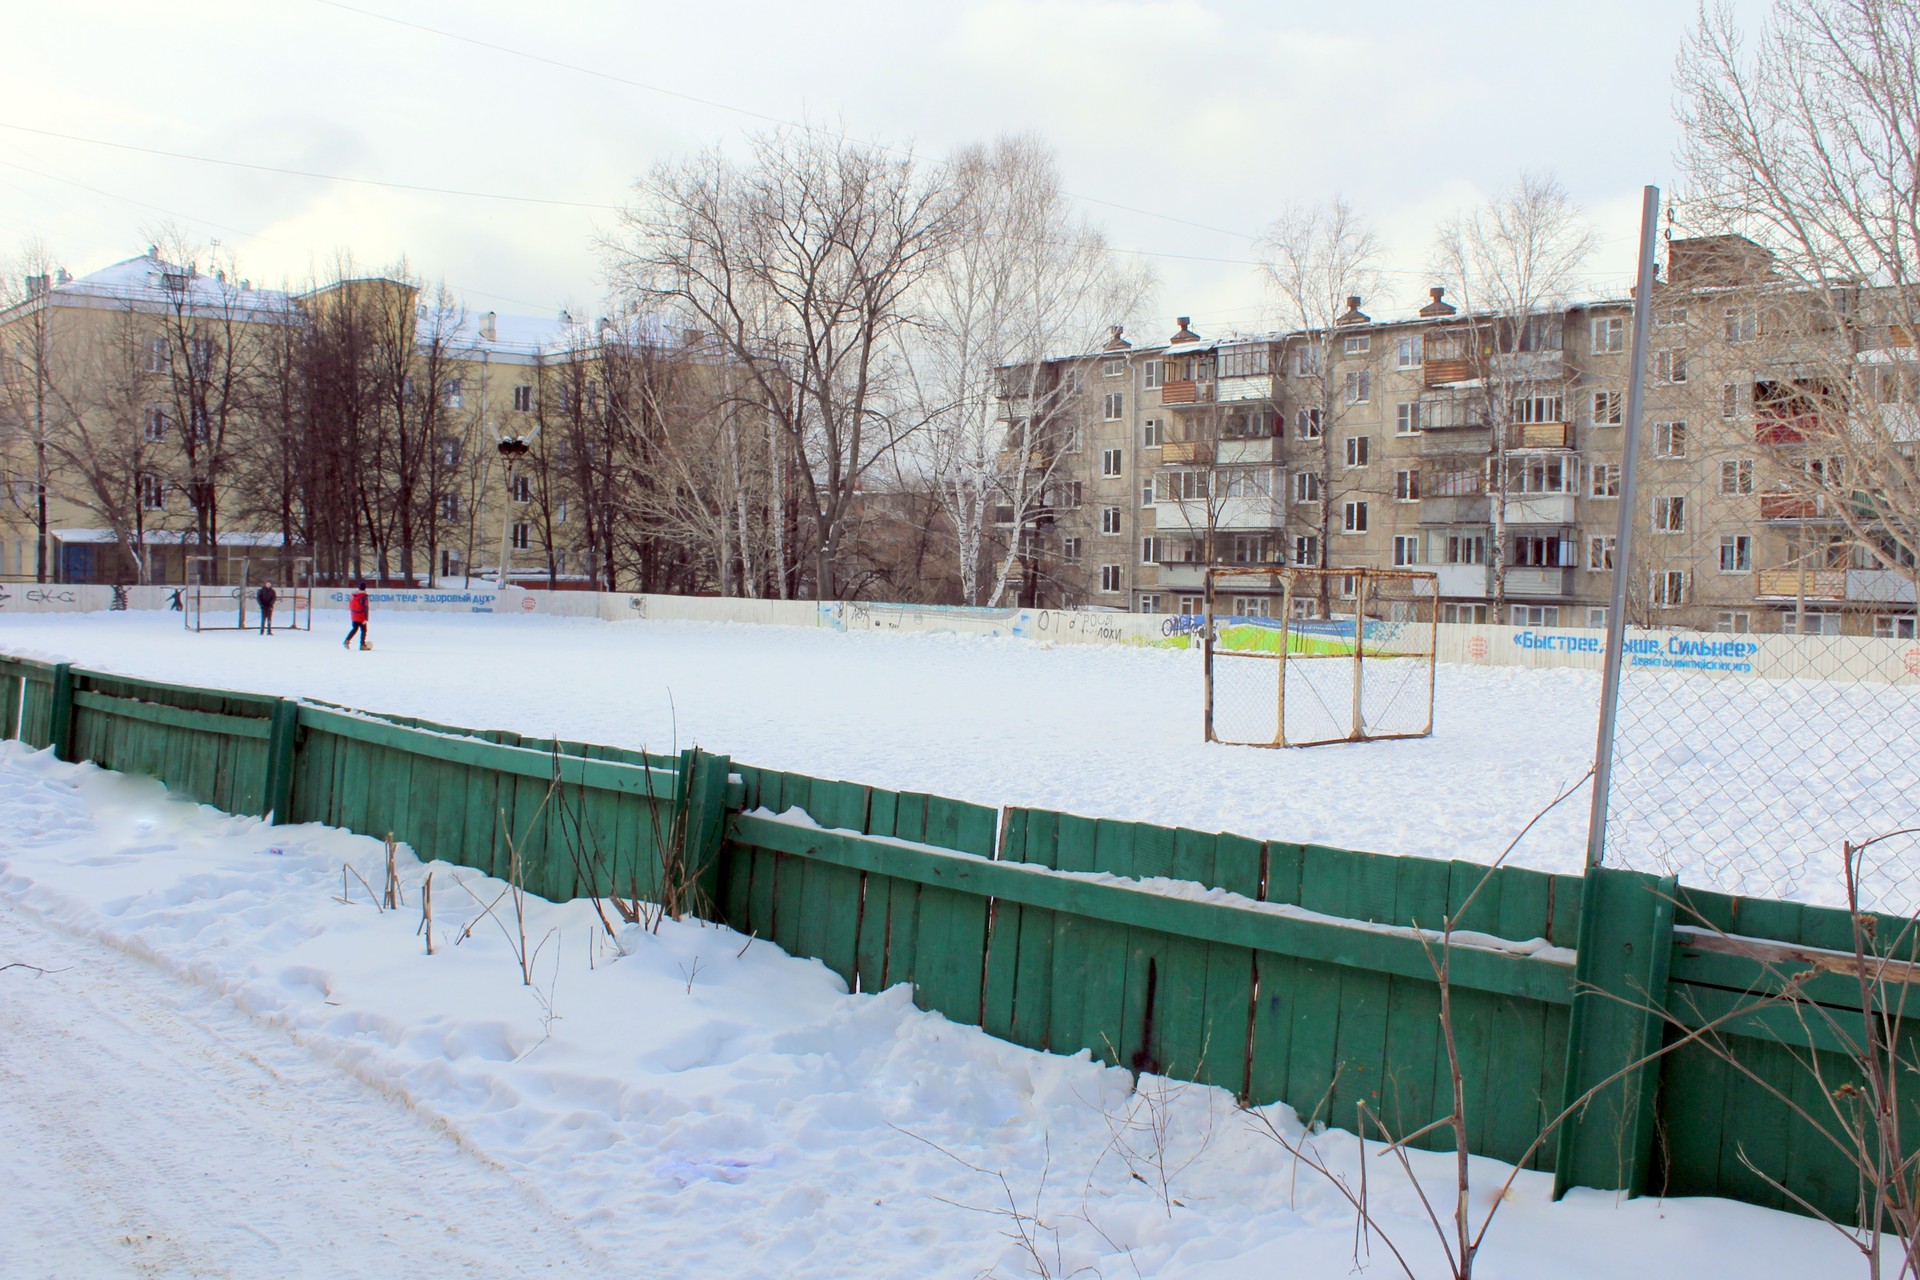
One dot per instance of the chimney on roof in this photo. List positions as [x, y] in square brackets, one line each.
[1354, 314]
[1437, 307]
[1114, 341]
[1183, 334]
[488, 329]
[566, 317]
[62, 276]
[36, 286]
[153, 251]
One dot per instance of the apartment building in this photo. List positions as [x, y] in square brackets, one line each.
[140, 405]
[1488, 450]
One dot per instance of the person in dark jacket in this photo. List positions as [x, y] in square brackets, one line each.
[265, 596]
[357, 610]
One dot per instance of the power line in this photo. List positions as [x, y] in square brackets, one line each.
[714, 103]
[307, 173]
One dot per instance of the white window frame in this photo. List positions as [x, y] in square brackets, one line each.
[1894, 626]
[1113, 367]
[1740, 324]
[522, 490]
[1113, 406]
[1670, 366]
[1355, 344]
[1736, 476]
[1609, 335]
[1606, 408]
[1406, 484]
[1306, 486]
[1354, 516]
[522, 536]
[1151, 435]
[1409, 352]
[1670, 513]
[1112, 579]
[1306, 549]
[1736, 553]
[1406, 418]
[1358, 452]
[1734, 622]
[1070, 549]
[523, 398]
[1406, 550]
[1603, 481]
[153, 492]
[1149, 545]
[1600, 552]
[1146, 492]
[1667, 588]
[1111, 460]
[1153, 372]
[1670, 439]
[1109, 522]
[1359, 386]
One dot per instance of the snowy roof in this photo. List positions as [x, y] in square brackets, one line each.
[166, 537]
[151, 281]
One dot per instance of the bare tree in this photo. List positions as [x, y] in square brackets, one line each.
[1027, 277]
[1514, 263]
[1320, 264]
[24, 392]
[1807, 140]
[801, 265]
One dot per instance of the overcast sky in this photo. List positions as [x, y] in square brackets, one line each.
[1164, 114]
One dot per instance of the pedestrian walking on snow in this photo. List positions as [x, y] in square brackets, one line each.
[265, 596]
[357, 610]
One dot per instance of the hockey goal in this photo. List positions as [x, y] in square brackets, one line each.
[1303, 657]
[219, 592]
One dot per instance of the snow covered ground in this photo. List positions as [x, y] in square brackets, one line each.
[227, 1070]
[1775, 773]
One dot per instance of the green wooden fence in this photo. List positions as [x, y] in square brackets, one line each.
[1309, 985]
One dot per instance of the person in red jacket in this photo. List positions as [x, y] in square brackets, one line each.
[357, 610]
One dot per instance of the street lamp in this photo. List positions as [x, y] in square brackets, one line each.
[512, 449]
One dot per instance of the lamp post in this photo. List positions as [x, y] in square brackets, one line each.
[512, 449]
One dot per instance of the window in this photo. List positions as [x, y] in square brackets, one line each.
[1607, 409]
[523, 399]
[1306, 549]
[1357, 449]
[1306, 360]
[1306, 486]
[1550, 474]
[1737, 622]
[1670, 366]
[1600, 553]
[1146, 492]
[1406, 418]
[1667, 588]
[1894, 626]
[1543, 552]
[1070, 550]
[159, 355]
[1155, 373]
[1110, 579]
[1066, 494]
[1150, 435]
[1729, 402]
[1249, 548]
[1148, 547]
[1109, 520]
[1184, 486]
[1406, 549]
[1529, 409]
[1742, 324]
[1466, 548]
[1810, 624]
[1113, 367]
[1252, 607]
[1597, 617]
[1736, 476]
[200, 355]
[453, 397]
[1353, 517]
[1306, 424]
[1359, 386]
[200, 425]
[1112, 405]
[1192, 605]
[450, 507]
[449, 452]
[1406, 485]
[1669, 317]
[1670, 514]
[1003, 514]
[522, 536]
[1534, 615]
[522, 489]
[1356, 344]
[1736, 553]
[1406, 353]
[1468, 614]
[1609, 334]
[153, 493]
[1669, 439]
[1246, 482]
[1603, 481]
[1149, 602]
[560, 512]
[1109, 462]
[156, 423]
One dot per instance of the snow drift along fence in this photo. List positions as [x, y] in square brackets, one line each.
[1279, 971]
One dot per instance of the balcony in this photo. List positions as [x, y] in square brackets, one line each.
[1183, 576]
[1787, 429]
[1476, 441]
[1534, 366]
[1880, 586]
[1800, 584]
[1464, 508]
[1543, 435]
[1191, 515]
[1532, 580]
[1792, 508]
[1442, 373]
[1185, 453]
[1254, 450]
[1470, 580]
[1237, 390]
[1540, 508]
[1186, 394]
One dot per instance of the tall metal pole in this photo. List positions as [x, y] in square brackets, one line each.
[1623, 536]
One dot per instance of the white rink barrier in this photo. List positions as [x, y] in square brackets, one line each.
[1843, 658]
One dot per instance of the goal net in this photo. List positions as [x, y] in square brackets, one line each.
[1301, 657]
[220, 592]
